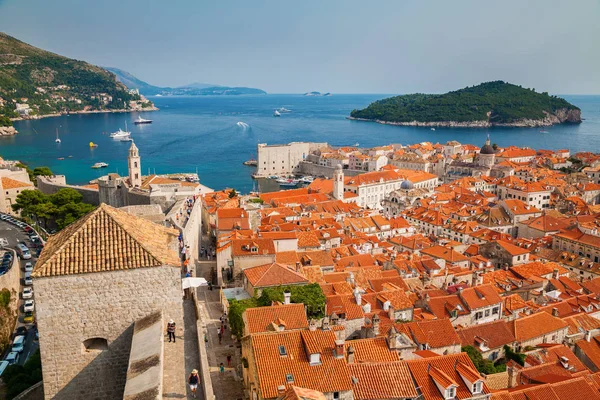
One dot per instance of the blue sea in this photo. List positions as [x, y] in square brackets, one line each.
[203, 134]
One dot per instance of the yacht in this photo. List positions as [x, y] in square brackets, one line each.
[141, 120]
[307, 179]
[356, 144]
[433, 129]
[276, 114]
[284, 110]
[120, 133]
[57, 138]
[288, 182]
[100, 165]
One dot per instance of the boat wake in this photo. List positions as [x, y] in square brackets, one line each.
[243, 125]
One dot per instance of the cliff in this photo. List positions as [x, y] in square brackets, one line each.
[488, 104]
[35, 83]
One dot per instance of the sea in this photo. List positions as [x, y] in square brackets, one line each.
[214, 135]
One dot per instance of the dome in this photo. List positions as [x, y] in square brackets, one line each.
[487, 149]
[407, 185]
[338, 167]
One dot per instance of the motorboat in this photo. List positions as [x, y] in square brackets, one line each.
[141, 120]
[356, 144]
[276, 114]
[284, 110]
[307, 179]
[100, 165]
[92, 144]
[57, 138]
[288, 182]
[120, 133]
[433, 129]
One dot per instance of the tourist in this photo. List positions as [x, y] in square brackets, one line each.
[171, 330]
[220, 336]
[229, 360]
[193, 381]
[221, 368]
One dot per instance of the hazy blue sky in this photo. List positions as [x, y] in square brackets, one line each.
[351, 46]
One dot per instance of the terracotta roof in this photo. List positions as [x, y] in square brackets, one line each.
[331, 375]
[372, 350]
[243, 247]
[480, 296]
[391, 380]
[495, 334]
[158, 180]
[8, 183]
[591, 350]
[308, 239]
[511, 248]
[259, 319]
[273, 275]
[298, 393]
[107, 239]
[535, 325]
[445, 253]
[436, 333]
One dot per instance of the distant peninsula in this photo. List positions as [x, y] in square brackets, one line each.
[194, 89]
[488, 104]
[35, 83]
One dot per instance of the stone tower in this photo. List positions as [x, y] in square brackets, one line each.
[338, 183]
[487, 155]
[135, 166]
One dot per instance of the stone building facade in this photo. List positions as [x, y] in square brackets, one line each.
[92, 282]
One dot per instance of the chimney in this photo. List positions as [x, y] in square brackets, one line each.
[350, 278]
[564, 362]
[298, 266]
[312, 325]
[512, 376]
[325, 324]
[366, 307]
[386, 305]
[357, 296]
[392, 338]
[588, 336]
[287, 296]
[339, 349]
[555, 273]
[350, 359]
[555, 312]
[280, 389]
[376, 320]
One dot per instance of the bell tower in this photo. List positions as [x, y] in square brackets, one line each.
[338, 183]
[135, 166]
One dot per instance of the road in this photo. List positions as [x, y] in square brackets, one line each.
[13, 235]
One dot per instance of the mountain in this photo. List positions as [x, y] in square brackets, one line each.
[35, 82]
[488, 104]
[193, 89]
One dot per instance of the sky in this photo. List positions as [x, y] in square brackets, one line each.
[338, 46]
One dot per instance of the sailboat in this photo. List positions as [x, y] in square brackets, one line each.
[57, 138]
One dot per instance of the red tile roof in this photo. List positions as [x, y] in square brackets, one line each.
[273, 275]
[260, 319]
[373, 381]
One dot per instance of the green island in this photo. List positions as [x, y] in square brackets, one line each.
[36, 83]
[488, 104]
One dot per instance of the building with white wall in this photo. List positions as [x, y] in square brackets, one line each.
[283, 159]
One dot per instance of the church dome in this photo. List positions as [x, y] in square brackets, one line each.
[406, 185]
[487, 149]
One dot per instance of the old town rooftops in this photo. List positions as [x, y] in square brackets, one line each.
[107, 239]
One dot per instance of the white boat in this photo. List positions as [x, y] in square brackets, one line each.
[433, 129]
[57, 138]
[100, 165]
[141, 120]
[276, 114]
[356, 144]
[288, 182]
[307, 179]
[120, 133]
[284, 110]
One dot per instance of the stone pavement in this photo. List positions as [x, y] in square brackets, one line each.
[181, 357]
[227, 385]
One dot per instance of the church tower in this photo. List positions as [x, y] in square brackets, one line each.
[338, 183]
[487, 154]
[135, 166]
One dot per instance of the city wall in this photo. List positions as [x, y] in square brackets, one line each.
[52, 184]
[307, 168]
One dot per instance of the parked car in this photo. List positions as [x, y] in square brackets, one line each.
[28, 267]
[28, 229]
[3, 365]
[29, 305]
[12, 358]
[28, 317]
[23, 251]
[27, 293]
[28, 281]
[3, 270]
[7, 256]
[22, 330]
[18, 344]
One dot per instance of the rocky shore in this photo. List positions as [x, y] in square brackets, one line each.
[559, 117]
[7, 131]
[153, 108]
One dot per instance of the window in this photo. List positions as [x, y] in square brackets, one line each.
[135, 164]
[289, 378]
[95, 344]
[477, 387]
[282, 351]
[478, 315]
[487, 313]
[495, 310]
[450, 393]
[336, 395]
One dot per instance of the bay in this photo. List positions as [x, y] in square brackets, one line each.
[203, 134]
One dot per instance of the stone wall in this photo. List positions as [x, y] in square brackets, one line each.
[50, 185]
[8, 317]
[75, 308]
[307, 168]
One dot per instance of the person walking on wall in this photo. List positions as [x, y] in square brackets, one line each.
[171, 330]
[193, 381]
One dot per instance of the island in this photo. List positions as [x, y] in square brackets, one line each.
[35, 83]
[488, 104]
[317, 94]
[193, 89]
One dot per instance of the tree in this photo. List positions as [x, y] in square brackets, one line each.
[519, 358]
[236, 309]
[66, 196]
[495, 146]
[19, 378]
[27, 200]
[310, 295]
[232, 194]
[43, 171]
[484, 366]
[71, 212]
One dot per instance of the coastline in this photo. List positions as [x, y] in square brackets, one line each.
[527, 123]
[122, 110]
